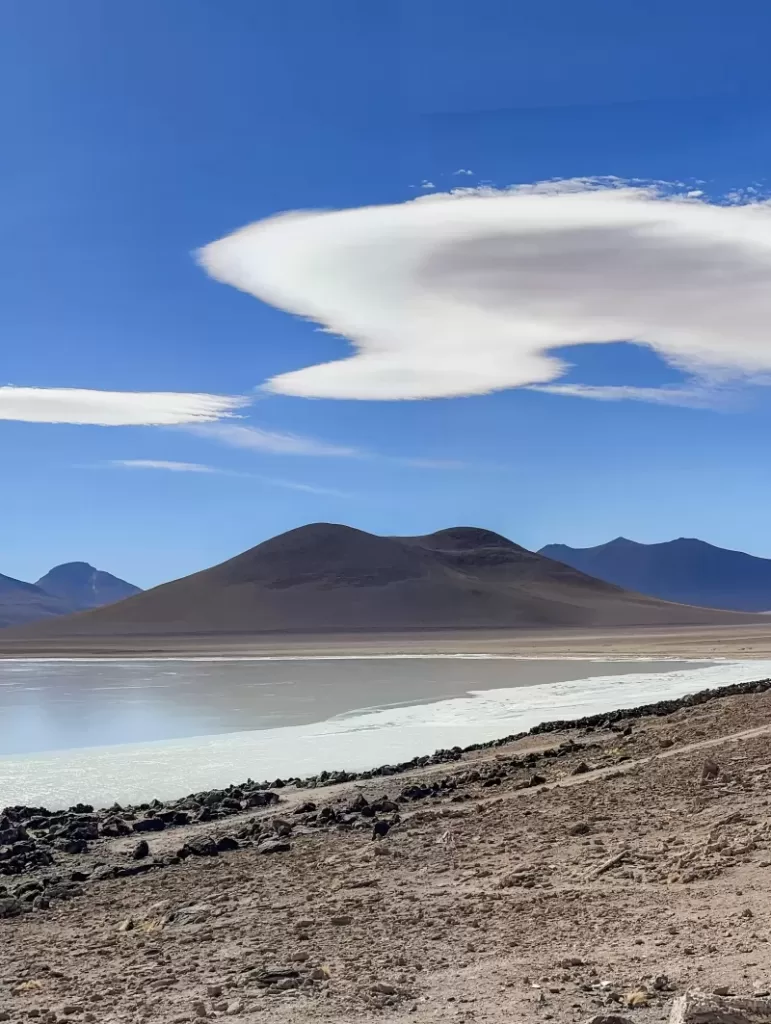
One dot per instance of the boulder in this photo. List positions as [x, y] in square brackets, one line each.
[700, 1008]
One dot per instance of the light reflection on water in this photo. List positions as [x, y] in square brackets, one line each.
[54, 705]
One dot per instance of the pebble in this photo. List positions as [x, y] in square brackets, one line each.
[636, 998]
[340, 920]
[384, 988]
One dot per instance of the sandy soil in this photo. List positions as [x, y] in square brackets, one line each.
[738, 641]
[601, 890]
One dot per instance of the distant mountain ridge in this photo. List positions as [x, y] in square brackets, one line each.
[685, 570]
[67, 588]
[325, 577]
[83, 586]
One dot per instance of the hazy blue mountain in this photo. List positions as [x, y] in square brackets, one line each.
[24, 602]
[686, 570]
[82, 586]
[68, 588]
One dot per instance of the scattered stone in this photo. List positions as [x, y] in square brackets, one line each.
[150, 825]
[200, 846]
[710, 771]
[268, 979]
[197, 913]
[608, 1018]
[10, 907]
[340, 920]
[637, 998]
[700, 1008]
[274, 846]
[141, 850]
[581, 828]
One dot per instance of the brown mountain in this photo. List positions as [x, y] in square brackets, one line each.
[325, 577]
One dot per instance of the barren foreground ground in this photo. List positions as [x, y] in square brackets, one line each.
[516, 887]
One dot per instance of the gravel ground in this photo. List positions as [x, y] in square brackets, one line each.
[558, 877]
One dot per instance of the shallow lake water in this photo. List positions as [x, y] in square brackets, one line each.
[133, 730]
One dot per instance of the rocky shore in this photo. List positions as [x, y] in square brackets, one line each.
[595, 867]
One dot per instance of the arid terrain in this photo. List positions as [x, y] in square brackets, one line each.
[728, 641]
[600, 869]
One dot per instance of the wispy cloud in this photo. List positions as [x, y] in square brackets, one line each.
[463, 170]
[294, 485]
[275, 442]
[418, 463]
[198, 467]
[113, 408]
[173, 467]
[695, 397]
[470, 292]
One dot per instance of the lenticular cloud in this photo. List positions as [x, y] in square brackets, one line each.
[469, 292]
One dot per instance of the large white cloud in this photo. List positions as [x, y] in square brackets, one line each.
[113, 408]
[467, 293]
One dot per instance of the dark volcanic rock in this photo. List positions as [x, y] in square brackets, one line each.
[201, 846]
[10, 907]
[149, 825]
[274, 846]
[141, 850]
[225, 843]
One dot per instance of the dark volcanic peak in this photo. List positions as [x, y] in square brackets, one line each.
[331, 578]
[464, 538]
[321, 553]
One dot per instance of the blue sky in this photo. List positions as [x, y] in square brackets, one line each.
[134, 134]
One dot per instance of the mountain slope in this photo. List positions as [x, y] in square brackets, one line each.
[685, 570]
[327, 577]
[83, 586]
[24, 602]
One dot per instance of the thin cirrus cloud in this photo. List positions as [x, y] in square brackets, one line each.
[468, 292]
[198, 467]
[172, 467]
[271, 441]
[277, 443]
[114, 408]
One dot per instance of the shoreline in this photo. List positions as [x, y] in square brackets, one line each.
[607, 860]
[605, 719]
